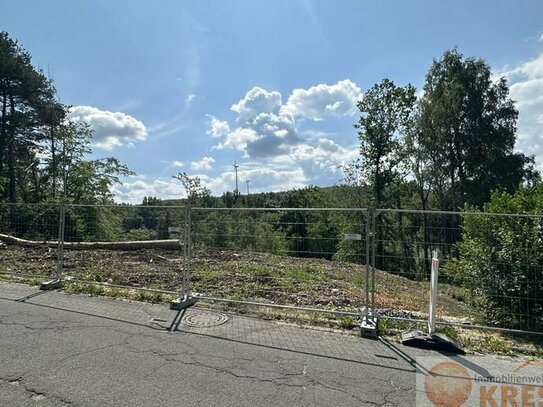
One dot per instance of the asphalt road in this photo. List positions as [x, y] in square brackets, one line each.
[74, 350]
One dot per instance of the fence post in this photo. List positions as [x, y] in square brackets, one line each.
[60, 251]
[57, 282]
[374, 216]
[433, 293]
[369, 216]
[184, 301]
[368, 324]
[185, 291]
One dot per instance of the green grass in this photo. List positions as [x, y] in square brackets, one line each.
[489, 343]
[95, 271]
[346, 322]
[116, 292]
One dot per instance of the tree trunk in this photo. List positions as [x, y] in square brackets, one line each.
[12, 194]
[53, 157]
[169, 244]
[3, 130]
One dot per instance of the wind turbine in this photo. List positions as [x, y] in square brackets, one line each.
[236, 166]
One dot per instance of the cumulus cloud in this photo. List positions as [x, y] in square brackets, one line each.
[322, 163]
[238, 139]
[134, 191]
[527, 90]
[218, 128]
[267, 128]
[205, 163]
[178, 163]
[111, 129]
[257, 101]
[277, 133]
[263, 179]
[324, 100]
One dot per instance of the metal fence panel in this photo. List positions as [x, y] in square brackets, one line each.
[490, 267]
[342, 259]
[307, 258]
[132, 246]
[37, 227]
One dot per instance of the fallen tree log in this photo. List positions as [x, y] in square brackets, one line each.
[169, 244]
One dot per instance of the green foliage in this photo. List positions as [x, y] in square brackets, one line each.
[140, 234]
[466, 126]
[385, 110]
[346, 322]
[501, 259]
[43, 156]
[196, 193]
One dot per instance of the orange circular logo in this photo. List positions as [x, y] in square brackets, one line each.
[448, 384]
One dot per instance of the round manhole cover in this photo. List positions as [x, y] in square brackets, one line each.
[204, 319]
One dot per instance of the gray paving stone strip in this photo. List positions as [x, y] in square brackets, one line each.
[59, 349]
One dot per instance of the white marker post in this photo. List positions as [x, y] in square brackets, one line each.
[432, 340]
[433, 294]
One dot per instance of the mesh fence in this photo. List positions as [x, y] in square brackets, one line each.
[300, 257]
[30, 239]
[491, 268]
[490, 274]
[140, 247]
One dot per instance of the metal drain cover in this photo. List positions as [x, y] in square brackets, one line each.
[204, 319]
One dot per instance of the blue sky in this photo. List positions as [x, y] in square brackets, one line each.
[193, 86]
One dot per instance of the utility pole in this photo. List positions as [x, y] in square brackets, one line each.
[236, 166]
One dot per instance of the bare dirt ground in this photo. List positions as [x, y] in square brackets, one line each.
[239, 276]
[265, 278]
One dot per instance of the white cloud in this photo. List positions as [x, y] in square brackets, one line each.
[257, 101]
[532, 69]
[218, 128]
[267, 128]
[205, 163]
[541, 38]
[302, 165]
[277, 133]
[178, 163]
[527, 90]
[111, 129]
[238, 139]
[134, 192]
[262, 179]
[321, 163]
[324, 100]
[190, 98]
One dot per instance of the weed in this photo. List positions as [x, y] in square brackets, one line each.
[451, 332]
[235, 297]
[287, 284]
[156, 298]
[116, 292]
[95, 290]
[383, 325]
[488, 344]
[95, 272]
[300, 274]
[346, 322]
